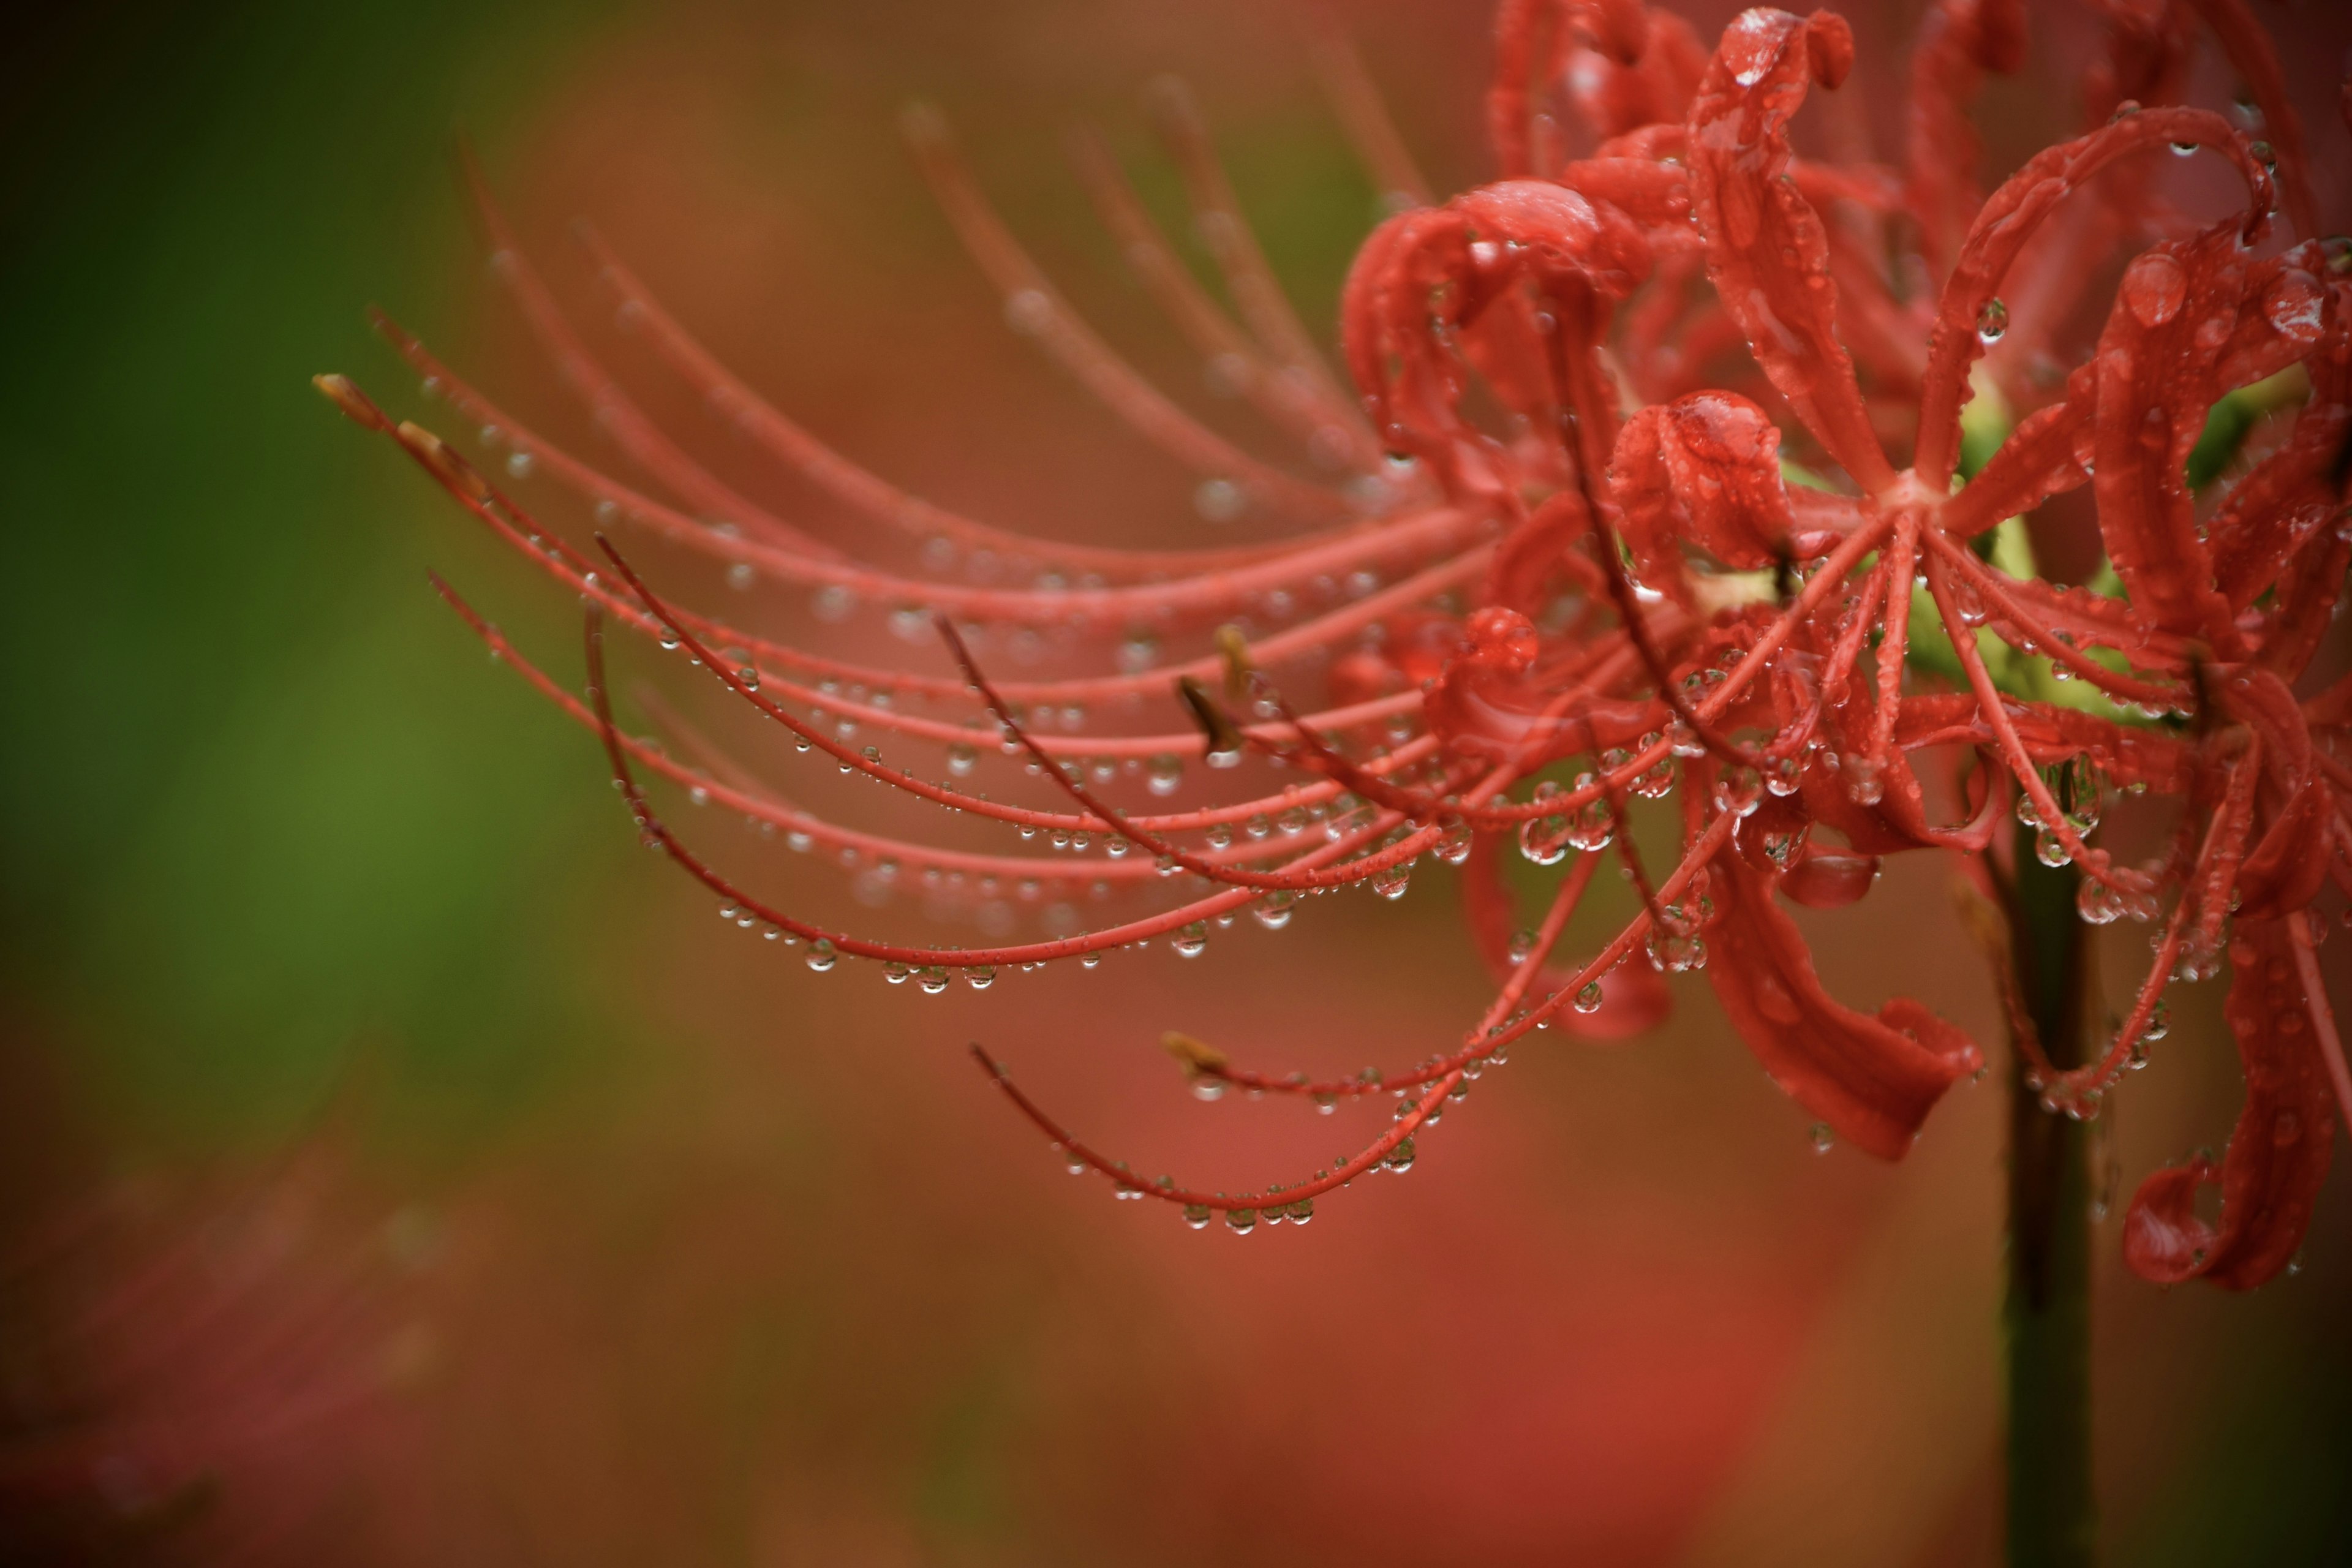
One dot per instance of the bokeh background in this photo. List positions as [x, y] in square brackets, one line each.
[398, 1166]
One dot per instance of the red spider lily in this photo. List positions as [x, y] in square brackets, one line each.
[1635, 405]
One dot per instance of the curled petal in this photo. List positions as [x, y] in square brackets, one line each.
[2278, 1152]
[2174, 308]
[1767, 251]
[2009, 217]
[1873, 1081]
[1706, 470]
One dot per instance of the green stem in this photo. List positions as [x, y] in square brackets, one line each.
[2047, 1310]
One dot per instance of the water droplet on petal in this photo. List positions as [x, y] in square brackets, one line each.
[2154, 288]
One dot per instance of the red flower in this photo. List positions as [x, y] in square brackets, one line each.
[1637, 406]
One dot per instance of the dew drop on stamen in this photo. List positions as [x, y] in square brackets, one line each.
[1992, 321]
[822, 955]
[1824, 1136]
[1028, 311]
[1197, 1216]
[1274, 910]
[1219, 501]
[1163, 774]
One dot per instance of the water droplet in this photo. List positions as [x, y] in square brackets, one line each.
[1865, 779]
[2098, 904]
[1274, 910]
[1220, 500]
[980, 976]
[1992, 321]
[1588, 1000]
[1240, 1222]
[2154, 288]
[822, 955]
[1390, 881]
[1402, 1157]
[1824, 1137]
[2051, 849]
[1676, 953]
[1738, 791]
[1197, 1216]
[1454, 843]
[932, 978]
[1163, 774]
[1028, 311]
[962, 760]
[1191, 941]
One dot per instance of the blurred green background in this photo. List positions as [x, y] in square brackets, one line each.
[397, 1170]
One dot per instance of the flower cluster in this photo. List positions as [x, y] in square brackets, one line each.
[1609, 514]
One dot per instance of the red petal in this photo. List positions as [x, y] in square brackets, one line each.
[2278, 1152]
[1703, 469]
[1766, 248]
[1873, 1081]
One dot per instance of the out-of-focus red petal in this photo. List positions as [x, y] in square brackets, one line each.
[2256, 63]
[2283, 871]
[1532, 41]
[1615, 98]
[1633, 996]
[1873, 1081]
[1959, 40]
[2278, 1152]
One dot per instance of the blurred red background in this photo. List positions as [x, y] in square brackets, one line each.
[471, 1196]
